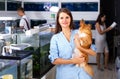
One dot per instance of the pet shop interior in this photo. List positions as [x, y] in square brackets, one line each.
[24, 54]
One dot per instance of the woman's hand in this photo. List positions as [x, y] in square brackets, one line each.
[77, 44]
[109, 28]
[91, 52]
[102, 31]
[75, 60]
[87, 51]
[78, 60]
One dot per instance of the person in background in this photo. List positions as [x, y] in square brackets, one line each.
[24, 21]
[62, 47]
[100, 41]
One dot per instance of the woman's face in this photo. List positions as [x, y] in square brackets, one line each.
[103, 18]
[64, 20]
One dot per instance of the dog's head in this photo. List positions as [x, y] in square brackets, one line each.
[85, 34]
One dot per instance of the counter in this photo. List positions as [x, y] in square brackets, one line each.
[39, 39]
[20, 61]
[18, 55]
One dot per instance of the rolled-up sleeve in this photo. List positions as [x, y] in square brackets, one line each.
[53, 49]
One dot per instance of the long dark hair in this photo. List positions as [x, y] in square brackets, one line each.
[99, 18]
[58, 26]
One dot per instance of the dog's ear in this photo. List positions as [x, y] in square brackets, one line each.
[82, 23]
[89, 26]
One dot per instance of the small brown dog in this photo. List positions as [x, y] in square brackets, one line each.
[85, 41]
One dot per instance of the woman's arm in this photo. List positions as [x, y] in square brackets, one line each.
[54, 55]
[77, 44]
[69, 61]
[99, 29]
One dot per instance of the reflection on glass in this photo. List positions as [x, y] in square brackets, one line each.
[2, 26]
[39, 6]
[8, 67]
[40, 43]
[84, 6]
[13, 5]
[45, 37]
[2, 5]
[6, 26]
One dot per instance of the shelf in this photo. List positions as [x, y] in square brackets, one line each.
[17, 55]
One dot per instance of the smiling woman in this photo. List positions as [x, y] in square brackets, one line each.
[68, 16]
[62, 46]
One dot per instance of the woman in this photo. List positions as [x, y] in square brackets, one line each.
[100, 40]
[62, 45]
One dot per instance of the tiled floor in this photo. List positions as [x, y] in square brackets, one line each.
[106, 74]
